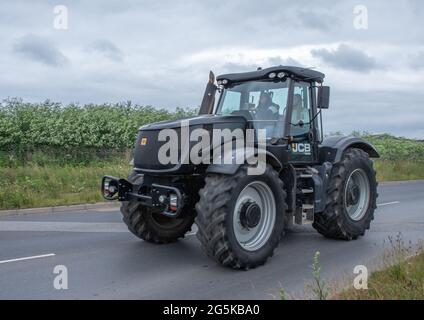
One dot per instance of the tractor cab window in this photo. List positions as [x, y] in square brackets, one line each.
[231, 102]
[301, 113]
[261, 102]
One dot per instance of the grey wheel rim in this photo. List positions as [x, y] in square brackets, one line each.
[254, 237]
[357, 194]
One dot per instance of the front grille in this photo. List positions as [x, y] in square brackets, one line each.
[146, 155]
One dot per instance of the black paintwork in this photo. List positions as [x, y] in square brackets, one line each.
[297, 72]
[194, 121]
[146, 156]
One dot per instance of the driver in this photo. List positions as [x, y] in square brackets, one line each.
[266, 109]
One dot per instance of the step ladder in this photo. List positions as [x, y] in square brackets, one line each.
[305, 213]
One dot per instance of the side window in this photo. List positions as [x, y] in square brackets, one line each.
[280, 98]
[231, 102]
[301, 110]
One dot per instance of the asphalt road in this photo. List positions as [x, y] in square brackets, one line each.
[104, 261]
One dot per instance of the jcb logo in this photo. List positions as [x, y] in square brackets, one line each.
[304, 148]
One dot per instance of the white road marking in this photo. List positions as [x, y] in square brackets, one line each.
[387, 203]
[29, 258]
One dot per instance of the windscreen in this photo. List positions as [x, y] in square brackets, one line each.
[262, 102]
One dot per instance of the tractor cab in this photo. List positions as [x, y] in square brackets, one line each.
[285, 102]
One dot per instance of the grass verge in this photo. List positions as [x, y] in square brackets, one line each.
[402, 277]
[38, 186]
[398, 275]
[403, 281]
[399, 170]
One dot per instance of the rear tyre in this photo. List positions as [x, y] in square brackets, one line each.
[351, 198]
[151, 225]
[240, 218]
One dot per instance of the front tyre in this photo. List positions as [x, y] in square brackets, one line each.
[151, 225]
[351, 198]
[240, 218]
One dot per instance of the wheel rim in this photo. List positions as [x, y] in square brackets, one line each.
[357, 194]
[254, 216]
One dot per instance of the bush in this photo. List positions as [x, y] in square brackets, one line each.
[32, 125]
[390, 147]
[31, 131]
[396, 148]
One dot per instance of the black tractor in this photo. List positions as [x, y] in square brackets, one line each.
[241, 215]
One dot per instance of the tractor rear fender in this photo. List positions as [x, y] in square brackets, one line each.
[230, 169]
[332, 148]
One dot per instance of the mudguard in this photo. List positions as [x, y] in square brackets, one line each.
[332, 148]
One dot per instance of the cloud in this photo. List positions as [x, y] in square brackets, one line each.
[320, 21]
[376, 111]
[172, 49]
[346, 57]
[416, 61]
[35, 48]
[273, 61]
[233, 67]
[108, 49]
[279, 61]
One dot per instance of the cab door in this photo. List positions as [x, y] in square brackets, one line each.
[302, 149]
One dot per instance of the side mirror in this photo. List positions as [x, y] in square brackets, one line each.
[323, 97]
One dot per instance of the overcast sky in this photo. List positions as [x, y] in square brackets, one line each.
[159, 53]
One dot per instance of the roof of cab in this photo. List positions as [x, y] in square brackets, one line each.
[297, 72]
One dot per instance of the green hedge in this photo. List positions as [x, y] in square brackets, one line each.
[395, 148]
[29, 126]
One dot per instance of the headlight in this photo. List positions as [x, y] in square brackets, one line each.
[109, 188]
[272, 75]
[281, 75]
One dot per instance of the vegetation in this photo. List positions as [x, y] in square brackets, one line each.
[28, 126]
[395, 148]
[51, 154]
[404, 281]
[399, 170]
[401, 158]
[51, 185]
[319, 287]
[401, 278]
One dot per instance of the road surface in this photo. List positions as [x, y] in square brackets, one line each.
[104, 261]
